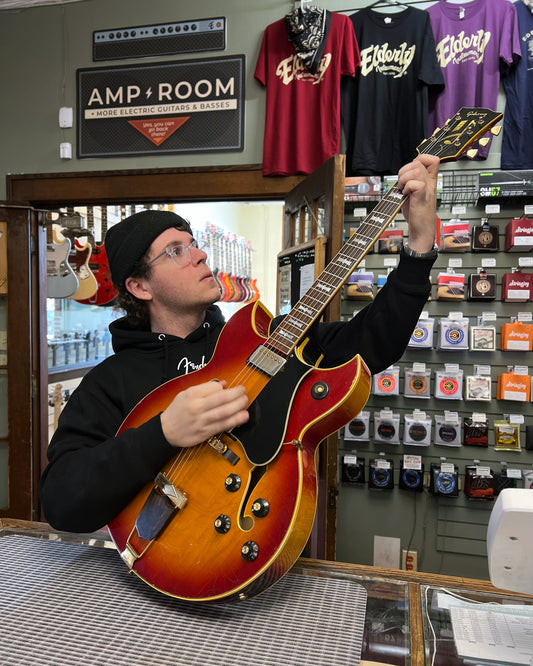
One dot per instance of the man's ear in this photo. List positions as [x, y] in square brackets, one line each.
[138, 288]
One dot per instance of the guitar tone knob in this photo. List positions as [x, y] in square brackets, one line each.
[250, 551]
[232, 483]
[260, 507]
[222, 523]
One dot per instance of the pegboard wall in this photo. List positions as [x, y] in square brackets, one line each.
[449, 531]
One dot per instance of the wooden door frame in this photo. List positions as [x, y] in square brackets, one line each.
[185, 185]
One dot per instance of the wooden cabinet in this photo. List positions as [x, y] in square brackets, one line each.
[20, 358]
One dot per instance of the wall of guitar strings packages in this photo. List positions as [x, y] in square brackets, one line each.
[449, 425]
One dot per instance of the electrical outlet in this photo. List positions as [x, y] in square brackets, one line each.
[409, 559]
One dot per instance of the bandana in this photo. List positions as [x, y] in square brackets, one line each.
[308, 31]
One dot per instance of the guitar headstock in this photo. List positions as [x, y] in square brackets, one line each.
[459, 133]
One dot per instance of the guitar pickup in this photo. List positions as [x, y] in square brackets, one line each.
[266, 360]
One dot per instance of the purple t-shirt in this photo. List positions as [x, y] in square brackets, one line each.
[472, 39]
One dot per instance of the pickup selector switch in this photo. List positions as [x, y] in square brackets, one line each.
[260, 507]
[232, 483]
[250, 551]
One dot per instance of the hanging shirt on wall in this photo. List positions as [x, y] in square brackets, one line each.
[385, 108]
[517, 142]
[302, 122]
[473, 41]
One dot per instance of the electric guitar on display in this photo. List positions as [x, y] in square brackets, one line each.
[226, 519]
[105, 293]
[61, 280]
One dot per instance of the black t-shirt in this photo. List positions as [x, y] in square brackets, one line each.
[385, 107]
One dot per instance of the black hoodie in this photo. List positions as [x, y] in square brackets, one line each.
[93, 474]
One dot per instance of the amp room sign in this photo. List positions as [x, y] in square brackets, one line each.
[181, 107]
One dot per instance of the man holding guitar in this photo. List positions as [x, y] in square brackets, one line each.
[171, 328]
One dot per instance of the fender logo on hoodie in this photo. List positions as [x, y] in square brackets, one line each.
[185, 366]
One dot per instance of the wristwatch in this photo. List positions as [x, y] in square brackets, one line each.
[432, 254]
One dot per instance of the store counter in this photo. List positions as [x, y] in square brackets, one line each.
[68, 598]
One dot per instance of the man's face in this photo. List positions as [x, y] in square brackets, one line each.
[180, 285]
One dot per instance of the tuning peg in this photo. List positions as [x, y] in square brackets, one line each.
[483, 142]
[496, 129]
[471, 153]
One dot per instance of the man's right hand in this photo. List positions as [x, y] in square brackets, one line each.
[201, 411]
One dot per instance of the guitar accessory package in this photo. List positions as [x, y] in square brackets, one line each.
[476, 431]
[353, 469]
[516, 336]
[358, 429]
[481, 286]
[453, 332]
[478, 387]
[449, 383]
[517, 287]
[390, 241]
[381, 474]
[479, 482]
[360, 286]
[482, 338]
[455, 235]
[505, 479]
[417, 430]
[417, 383]
[387, 382]
[422, 335]
[506, 436]
[412, 475]
[386, 427]
[519, 235]
[450, 286]
[513, 386]
[485, 238]
[448, 429]
[444, 480]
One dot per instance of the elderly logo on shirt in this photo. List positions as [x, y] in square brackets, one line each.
[459, 48]
[293, 69]
[387, 60]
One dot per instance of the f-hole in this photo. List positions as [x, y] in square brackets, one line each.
[247, 522]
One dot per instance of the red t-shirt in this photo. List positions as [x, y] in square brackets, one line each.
[303, 123]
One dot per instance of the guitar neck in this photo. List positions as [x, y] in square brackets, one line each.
[332, 278]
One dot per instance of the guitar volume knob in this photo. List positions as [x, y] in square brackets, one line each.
[232, 483]
[260, 507]
[222, 523]
[250, 551]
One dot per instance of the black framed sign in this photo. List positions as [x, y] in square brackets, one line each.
[160, 108]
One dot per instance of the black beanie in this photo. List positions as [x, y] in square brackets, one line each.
[127, 241]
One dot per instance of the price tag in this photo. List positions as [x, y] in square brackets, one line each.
[488, 262]
[447, 468]
[350, 459]
[521, 370]
[528, 209]
[412, 462]
[524, 316]
[390, 261]
[455, 316]
[482, 369]
[424, 314]
[517, 419]
[455, 262]
[478, 417]
[514, 473]
[451, 368]
[382, 464]
[492, 209]
[483, 471]
[359, 212]
[419, 367]
[488, 316]
[458, 210]
[525, 261]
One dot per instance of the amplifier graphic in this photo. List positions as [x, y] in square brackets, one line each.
[160, 39]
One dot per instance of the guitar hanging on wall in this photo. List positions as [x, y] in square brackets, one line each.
[228, 518]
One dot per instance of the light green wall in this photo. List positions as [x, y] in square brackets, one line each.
[41, 48]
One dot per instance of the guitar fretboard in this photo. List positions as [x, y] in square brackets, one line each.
[330, 281]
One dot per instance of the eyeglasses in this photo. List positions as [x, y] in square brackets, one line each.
[180, 253]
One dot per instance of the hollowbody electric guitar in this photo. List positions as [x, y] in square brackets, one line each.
[228, 518]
